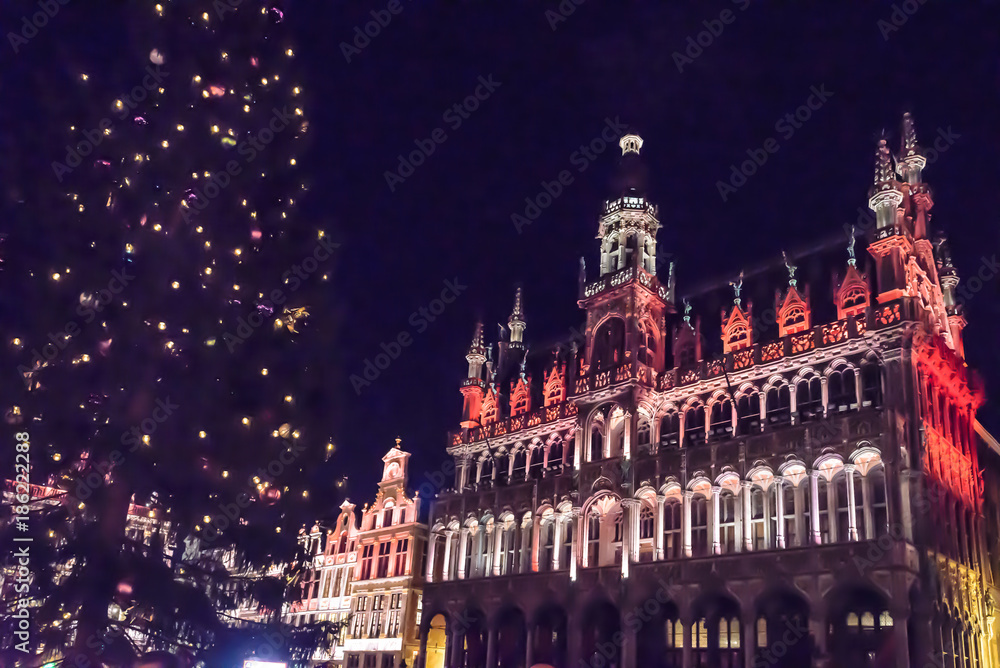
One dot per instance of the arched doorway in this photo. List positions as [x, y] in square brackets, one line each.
[437, 639]
[472, 652]
[511, 639]
[716, 636]
[860, 628]
[781, 629]
[549, 646]
[601, 625]
[660, 639]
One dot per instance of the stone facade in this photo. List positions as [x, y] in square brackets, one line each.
[808, 494]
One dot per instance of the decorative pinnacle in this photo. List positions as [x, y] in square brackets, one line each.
[909, 146]
[518, 314]
[883, 164]
[630, 144]
[911, 159]
[687, 311]
[398, 441]
[791, 269]
[850, 247]
[477, 349]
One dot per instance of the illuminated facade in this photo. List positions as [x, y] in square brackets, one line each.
[779, 470]
[368, 573]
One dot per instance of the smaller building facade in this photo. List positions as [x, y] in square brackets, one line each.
[367, 574]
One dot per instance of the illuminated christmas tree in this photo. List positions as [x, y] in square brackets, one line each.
[168, 331]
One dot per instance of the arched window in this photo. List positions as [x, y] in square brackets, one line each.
[387, 517]
[609, 345]
[502, 467]
[694, 425]
[668, 429]
[546, 541]
[843, 507]
[472, 538]
[727, 521]
[748, 410]
[779, 405]
[619, 534]
[508, 565]
[673, 537]
[594, 539]
[537, 458]
[792, 539]
[722, 418]
[880, 518]
[758, 519]
[566, 558]
[643, 434]
[520, 461]
[824, 508]
[647, 533]
[647, 344]
[700, 545]
[842, 395]
[555, 456]
[486, 470]
[871, 385]
[809, 399]
[596, 444]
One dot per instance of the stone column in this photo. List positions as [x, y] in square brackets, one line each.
[866, 500]
[431, 549]
[747, 524]
[660, 499]
[852, 514]
[814, 506]
[688, 494]
[900, 632]
[463, 552]
[708, 420]
[716, 532]
[529, 645]
[627, 446]
[627, 654]
[446, 575]
[497, 536]
[793, 403]
[824, 392]
[687, 657]
[578, 447]
[749, 637]
[491, 648]
[799, 496]
[557, 541]
[779, 512]
[454, 650]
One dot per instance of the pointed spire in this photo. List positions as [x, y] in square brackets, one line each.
[911, 160]
[671, 283]
[516, 321]
[687, 312]
[885, 194]
[477, 352]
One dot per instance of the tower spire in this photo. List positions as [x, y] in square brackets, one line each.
[885, 194]
[911, 160]
[477, 352]
[516, 321]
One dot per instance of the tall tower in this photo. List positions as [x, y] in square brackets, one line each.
[892, 242]
[627, 304]
[516, 321]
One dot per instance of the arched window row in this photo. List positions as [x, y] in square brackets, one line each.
[524, 462]
[840, 503]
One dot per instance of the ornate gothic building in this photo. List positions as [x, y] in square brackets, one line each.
[779, 470]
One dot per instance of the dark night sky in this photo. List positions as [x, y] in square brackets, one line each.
[452, 217]
[451, 220]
